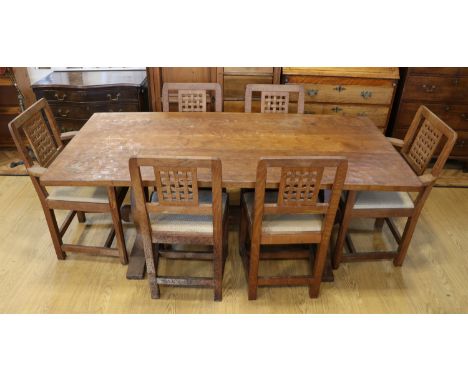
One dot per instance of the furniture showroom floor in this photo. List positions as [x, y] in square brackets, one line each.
[433, 278]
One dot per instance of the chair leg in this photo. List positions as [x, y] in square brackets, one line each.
[253, 269]
[242, 232]
[405, 241]
[116, 218]
[218, 271]
[339, 245]
[319, 265]
[54, 233]
[152, 260]
[379, 223]
[81, 216]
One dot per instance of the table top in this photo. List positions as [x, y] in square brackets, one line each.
[92, 78]
[99, 154]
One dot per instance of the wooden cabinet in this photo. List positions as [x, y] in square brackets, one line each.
[9, 108]
[74, 96]
[366, 92]
[158, 76]
[444, 91]
[235, 80]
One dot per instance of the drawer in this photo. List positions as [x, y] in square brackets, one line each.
[85, 111]
[456, 116]
[238, 106]
[436, 89]
[234, 86]
[337, 93]
[111, 94]
[234, 71]
[434, 71]
[378, 114]
[70, 124]
[293, 79]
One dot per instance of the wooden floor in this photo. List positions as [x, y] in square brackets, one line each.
[434, 278]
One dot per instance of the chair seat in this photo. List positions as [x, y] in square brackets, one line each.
[79, 194]
[287, 223]
[184, 222]
[382, 200]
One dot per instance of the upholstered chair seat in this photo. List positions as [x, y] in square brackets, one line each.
[381, 199]
[79, 194]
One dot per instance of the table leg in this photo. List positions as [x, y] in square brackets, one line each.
[136, 262]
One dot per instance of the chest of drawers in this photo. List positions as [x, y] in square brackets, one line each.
[444, 91]
[74, 96]
[366, 92]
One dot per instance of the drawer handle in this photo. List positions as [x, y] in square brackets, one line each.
[312, 92]
[362, 114]
[339, 88]
[464, 116]
[58, 98]
[64, 114]
[310, 112]
[366, 94]
[447, 108]
[113, 99]
[118, 111]
[337, 109]
[429, 88]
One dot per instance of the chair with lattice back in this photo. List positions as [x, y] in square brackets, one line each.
[179, 212]
[37, 126]
[293, 214]
[192, 97]
[274, 98]
[427, 134]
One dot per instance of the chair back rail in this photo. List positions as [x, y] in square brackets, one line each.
[422, 139]
[274, 98]
[192, 97]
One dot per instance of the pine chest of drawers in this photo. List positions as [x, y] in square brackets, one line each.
[445, 92]
[74, 96]
[366, 92]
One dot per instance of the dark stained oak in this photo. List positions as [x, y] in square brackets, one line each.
[99, 154]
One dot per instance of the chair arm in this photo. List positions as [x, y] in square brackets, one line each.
[395, 141]
[427, 179]
[36, 171]
[68, 135]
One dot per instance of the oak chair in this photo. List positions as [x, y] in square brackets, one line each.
[293, 214]
[179, 212]
[427, 132]
[274, 98]
[38, 126]
[193, 97]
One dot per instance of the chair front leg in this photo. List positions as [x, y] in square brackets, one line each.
[253, 268]
[54, 232]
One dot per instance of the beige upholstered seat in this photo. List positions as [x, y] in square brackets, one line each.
[185, 223]
[383, 199]
[284, 223]
[79, 194]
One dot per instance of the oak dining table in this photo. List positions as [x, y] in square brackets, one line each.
[98, 155]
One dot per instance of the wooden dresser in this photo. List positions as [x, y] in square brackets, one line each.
[366, 92]
[75, 96]
[9, 108]
[445, 92]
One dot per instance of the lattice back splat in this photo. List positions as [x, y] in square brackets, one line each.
[177, 185]
[41, 140]
[192, 100]
[299, 186]
[423, 147]
[274, 102]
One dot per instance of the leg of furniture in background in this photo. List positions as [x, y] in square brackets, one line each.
[346, 218]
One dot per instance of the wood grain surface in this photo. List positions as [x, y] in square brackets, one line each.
[99, 153]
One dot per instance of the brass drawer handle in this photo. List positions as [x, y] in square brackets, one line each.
[312, 92]
[112, 111]
[362, 114]
[366, 94]
[64, 114]
[429, 88]
[58, 98]
[113, 99]
[336, 109]
[447, 108]
[339, 88]
[464, 116]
